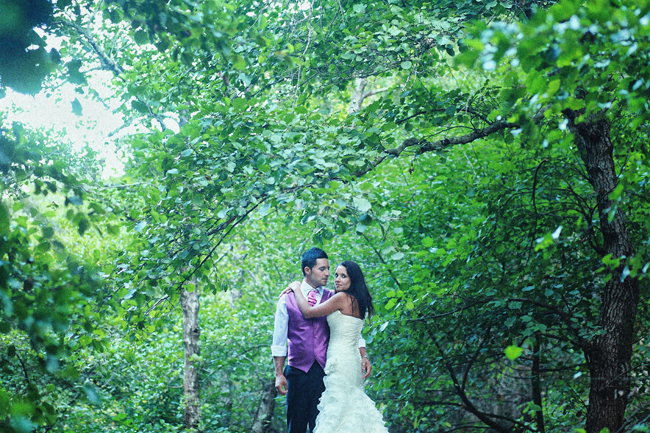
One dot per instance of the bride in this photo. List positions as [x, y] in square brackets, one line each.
[344, 406]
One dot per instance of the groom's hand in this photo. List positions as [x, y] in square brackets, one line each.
[366, 368]
[281, 384]
[295, 285]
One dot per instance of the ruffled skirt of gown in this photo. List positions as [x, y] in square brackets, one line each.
[344, 406]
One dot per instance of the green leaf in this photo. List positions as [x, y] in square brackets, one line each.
[513, 352]
[264, 209]
[141, 37]
[82, 226]
[239, 62]
[75, 200]
[533, 407]
[625, 274]
[556, 234]
[450, 49]
[362, 204]
[239, 104]
[553, 87]
[359, 8]
[44, 247]
[77, 109]
[91, 393]
[4, 219]
[139, 106]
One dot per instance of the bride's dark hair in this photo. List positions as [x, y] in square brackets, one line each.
[358, 289]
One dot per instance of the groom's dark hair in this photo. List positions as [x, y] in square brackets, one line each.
[310, 257]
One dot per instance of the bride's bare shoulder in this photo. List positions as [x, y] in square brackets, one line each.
[348, 306]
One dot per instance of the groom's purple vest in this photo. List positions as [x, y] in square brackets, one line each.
[308, 338]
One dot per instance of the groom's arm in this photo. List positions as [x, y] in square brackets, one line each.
[279, 345]
[280, 380]
[366, 367]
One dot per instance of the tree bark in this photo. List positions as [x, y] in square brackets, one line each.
[609, 355]
[191, 332]
[537, 385]
[357, 95]
[265, 410]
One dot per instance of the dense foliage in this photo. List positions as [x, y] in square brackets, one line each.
[485, 163]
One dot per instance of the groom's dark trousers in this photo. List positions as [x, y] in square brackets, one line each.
[303, 393]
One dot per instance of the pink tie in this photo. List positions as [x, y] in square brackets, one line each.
[311, 297]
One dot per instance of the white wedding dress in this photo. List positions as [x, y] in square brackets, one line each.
[344, 406]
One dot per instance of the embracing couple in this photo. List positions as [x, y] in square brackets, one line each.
[323, 380]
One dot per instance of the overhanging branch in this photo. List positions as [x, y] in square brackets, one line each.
[107, 62]
[424, 146]
[434, 146]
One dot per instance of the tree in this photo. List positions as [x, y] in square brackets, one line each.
[45, 285]
[191, 332]
[24, 62]
[351, 147]
[262, 93]
[584, 93]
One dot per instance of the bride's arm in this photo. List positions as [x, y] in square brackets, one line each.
[333, 304]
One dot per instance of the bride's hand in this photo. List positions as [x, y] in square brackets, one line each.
[295, 285]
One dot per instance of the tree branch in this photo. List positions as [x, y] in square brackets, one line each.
[234, 223]
[563, 314]
[426, 146]
[107, 63]
[449, 313]
[24, 368]
[566, 317]
[440, 110]
[469, 406]
[474, 358]
[381, 259]
[164, 298]
[534, 196]
[466, 426]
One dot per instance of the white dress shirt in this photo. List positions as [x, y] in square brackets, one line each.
[281, 327]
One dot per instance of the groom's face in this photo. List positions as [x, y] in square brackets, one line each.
[318, 275]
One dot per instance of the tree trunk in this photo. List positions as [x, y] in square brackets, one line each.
[191, 333]
[357, 95]
[609, 355]
[537, 385]
[265, 410]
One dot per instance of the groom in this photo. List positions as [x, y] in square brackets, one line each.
[302, 380]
